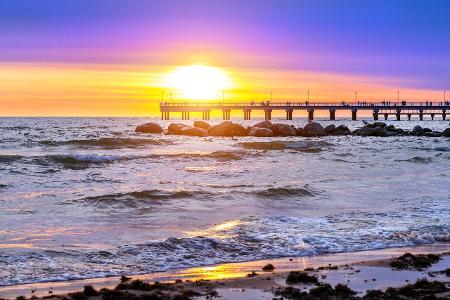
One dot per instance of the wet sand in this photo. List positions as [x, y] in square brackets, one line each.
[361, 271]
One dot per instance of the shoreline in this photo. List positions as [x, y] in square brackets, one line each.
[232, 273]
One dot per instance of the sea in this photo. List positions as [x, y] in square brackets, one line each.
[89, 197]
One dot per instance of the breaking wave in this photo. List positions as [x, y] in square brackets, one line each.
[110, 143]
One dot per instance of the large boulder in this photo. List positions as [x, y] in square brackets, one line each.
[283, 130]
[239, 130]
[369, 131]
[227, 128]
[389, 130]
[300, 131]
[151, 127]
[264, 124]
[260, 132]
[223, 129]
[193, 131]
[432, 134]
[314, 129]
[446, 132]
[341, 130]
[175, 128]
[330, 129]
[417, 130]
[202, 124]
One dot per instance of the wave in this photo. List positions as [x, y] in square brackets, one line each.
[137, 199]
[8, 158]
[285, 192]
[78, 161]
[110, 143]
[301, 146]
[417, 160]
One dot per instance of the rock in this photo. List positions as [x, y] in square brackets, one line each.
[227, 128]
[314, 129]
[263, 124]
[426, 130]
[330, 129]
[260, 132]
[223, 129]
[417, 130]
[342, 130]
[193, 131]
[432, 134]
[377, 124]
[389, 127]
[149, 128]
[239, 130]
[283, 130]
[202, 124]
[446, 132]
[300, 131]
[369, 131]
[175, 128]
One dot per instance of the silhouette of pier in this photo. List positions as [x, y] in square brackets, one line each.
[384, 109]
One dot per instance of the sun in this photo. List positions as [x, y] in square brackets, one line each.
[197, 82]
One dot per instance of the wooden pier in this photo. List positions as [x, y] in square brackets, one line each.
[383, 109]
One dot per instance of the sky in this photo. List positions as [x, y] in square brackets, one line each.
[109, 57]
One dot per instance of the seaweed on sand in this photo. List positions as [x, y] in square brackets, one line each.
[417, 262]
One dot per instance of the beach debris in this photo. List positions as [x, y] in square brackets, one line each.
[301, 277]
[252, 274]
[411, 261]
[89, 291]
[268, 268]
[422, 289]
[323, 291]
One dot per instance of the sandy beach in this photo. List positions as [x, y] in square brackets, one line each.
[360, 271]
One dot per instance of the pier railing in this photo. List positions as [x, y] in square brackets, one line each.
[385, 108]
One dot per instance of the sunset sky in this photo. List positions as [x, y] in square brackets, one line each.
[111, 58]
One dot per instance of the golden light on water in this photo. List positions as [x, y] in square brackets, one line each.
[218, 231]
[197, 82]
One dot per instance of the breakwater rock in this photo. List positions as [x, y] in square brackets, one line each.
[269, 129]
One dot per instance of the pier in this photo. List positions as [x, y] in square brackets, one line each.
[384, 109]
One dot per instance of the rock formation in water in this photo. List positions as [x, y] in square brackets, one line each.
[269, 129]
[150, 127]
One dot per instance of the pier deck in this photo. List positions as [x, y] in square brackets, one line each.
[384, 108]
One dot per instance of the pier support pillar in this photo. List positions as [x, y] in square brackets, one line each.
[226, 113]
[268, 114]
[247, 114]
[385, 116]
[398, 114]
[375, 114]
[421, 115]
[443, 115]
[205, 115]
[354, 114]
[164, 115]
[332, 114]
[289, 114]
[409, 117]
[310, 114]
[432, 116]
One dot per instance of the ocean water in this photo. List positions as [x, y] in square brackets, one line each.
[89, 197]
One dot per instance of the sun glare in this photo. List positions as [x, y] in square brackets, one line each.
[197, 82]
